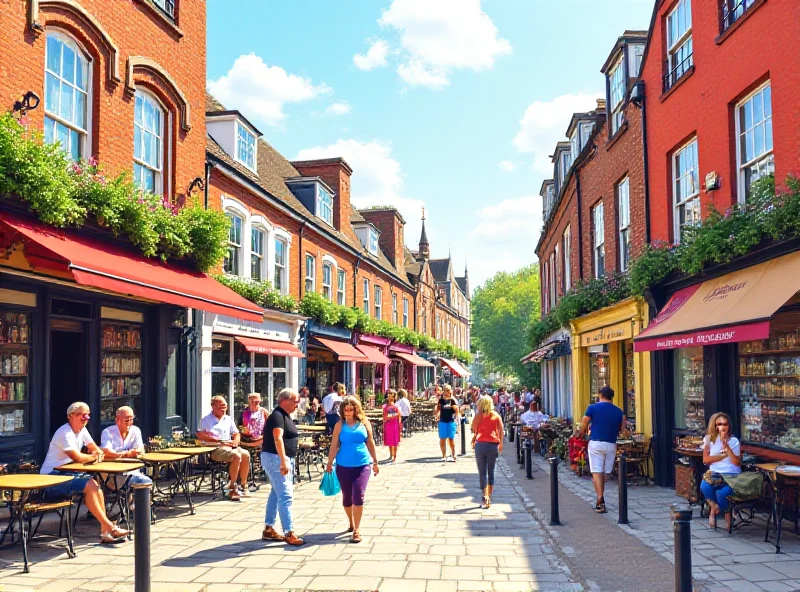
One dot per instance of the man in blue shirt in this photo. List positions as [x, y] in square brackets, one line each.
[607, 422]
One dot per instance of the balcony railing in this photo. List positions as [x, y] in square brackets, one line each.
[733, 10]
[681, 68]
[167, 7]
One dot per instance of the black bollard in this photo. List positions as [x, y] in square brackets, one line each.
[141, 540]
[682, 525]
[511, 433]
[622, 473]
[463, 436]
[528, 460]
[519, 449]
[554, 518]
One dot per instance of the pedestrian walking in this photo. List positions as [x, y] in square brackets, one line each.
[607, 421]
[330, 405]
[447, 417]
[352, 446]
[487, 440]
[277, 458]
[404, 406]
[391, 425]
[722, 454]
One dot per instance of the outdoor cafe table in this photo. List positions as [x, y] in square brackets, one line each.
[189, 452]
[106, 471]
[785, 479]
[160, 462]
[26, 484]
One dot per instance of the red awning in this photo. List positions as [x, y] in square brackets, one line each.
[455, 367]
[374, 355]
[102, 264]
[414, 359]
[344, 351]
[268, 346]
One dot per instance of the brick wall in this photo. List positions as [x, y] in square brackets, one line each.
[566, 214]
[135, 29]
[391, 240]
[336, 173]
[703, 104]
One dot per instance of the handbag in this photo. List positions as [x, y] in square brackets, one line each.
[713, 479]
[330, 484]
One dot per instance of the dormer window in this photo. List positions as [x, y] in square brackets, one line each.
[324, 204]
[616, 89]
[575, 144]
[373, 241]
[245, 147]
[566, 162]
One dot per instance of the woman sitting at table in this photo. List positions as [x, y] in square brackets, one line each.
[65, 448]
[722, 455]
[254, 418]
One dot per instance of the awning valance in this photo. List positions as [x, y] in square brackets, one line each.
[414, 359]
[103, 265]
[343, 350]
[455, 367]
[732, 308]
[269, 346]
[374, 355]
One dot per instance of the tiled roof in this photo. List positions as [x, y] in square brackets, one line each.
[440, 268]
[462, 284]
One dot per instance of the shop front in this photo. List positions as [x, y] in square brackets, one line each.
[372, 373]
[239, 357]
[602, 355]
[84, 319]
[555, 356]
[417, 372]
[731, 344]
[330, 357]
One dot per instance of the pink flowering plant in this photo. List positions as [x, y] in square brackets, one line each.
[66, 193]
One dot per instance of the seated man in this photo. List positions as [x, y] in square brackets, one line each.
[124, 440]
[533, 418]
[65, 448]
[217, 428]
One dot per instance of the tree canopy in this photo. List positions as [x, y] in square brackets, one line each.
[503, 310]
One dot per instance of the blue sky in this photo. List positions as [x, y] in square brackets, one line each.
[453, 105]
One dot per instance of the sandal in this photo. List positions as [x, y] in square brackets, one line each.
[107, 538]
[118, 532]
[350, 528]
[484, 503]
[356, 538]
[233, 496]
[488, 503]
[712, 521]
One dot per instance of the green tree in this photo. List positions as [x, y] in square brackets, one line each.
[503, 310]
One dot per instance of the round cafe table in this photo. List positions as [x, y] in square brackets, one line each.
[160, 463]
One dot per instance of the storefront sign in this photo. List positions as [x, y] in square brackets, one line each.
[233, 326]
[608, 334]
[733, 334]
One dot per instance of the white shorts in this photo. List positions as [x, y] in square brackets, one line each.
[601, 456]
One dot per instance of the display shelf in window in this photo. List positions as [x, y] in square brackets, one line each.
[689, 390]
[15, 357]
[120, 369]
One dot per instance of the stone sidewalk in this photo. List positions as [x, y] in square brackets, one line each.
[423, 531]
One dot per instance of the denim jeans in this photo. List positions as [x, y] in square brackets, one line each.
[281, 493]
[718, 494]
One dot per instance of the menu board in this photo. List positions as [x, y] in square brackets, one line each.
[15, 358]
[120, 368]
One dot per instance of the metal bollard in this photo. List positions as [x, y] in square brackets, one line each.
[511, 433]
[554, 518]
[141, 540]
[519, 449]
[463, 436]
[682, 526]
[528, 460]
[622, 474]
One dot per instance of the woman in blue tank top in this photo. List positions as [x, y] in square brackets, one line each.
[353, 447]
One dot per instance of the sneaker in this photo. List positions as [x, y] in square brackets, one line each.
[270, 534]
[292, 539]
[444, 459]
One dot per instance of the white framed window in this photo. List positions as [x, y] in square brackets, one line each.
[373, 241]
[575, 145]
[732, 10]
[636, 54]
[245, 146]
[257, 259]
[378, 302]
[553, 298]
[598, 241]
[67, 103]
[365, 287]
[327, 281]
[557, 272]
[324, 205]
[566, 276]
[679, 42]
[167, 7]
[280, 280]
[616, 92]
[546, 286]
[586, 131]
[754, 130]
[566, 162]
[341, 282]
[624, 215]
[232, 263]
[394, 308]
[685, 188]
[311, 273]
[405, 312]
[148, 143]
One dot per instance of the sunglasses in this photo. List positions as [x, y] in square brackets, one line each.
[719, 425]
[84, 415]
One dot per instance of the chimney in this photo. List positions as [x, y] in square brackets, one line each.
[601, 105]
[392, 227]
[336, 174]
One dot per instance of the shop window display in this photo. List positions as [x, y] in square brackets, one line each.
[120, 369]
[15, 356]
[598, 364]
[769, 385]
[689, 392]
[630, 392]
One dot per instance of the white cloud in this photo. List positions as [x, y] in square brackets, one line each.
[377, 179]
[261, 91]
[507, 166]
[442, 36]
[374, 58]
[545, 123]
[338, 108]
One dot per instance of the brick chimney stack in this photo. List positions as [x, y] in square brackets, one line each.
[392, 226]
[336, 174]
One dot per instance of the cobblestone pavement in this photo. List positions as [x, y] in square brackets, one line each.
[741, 561]
[423, 531]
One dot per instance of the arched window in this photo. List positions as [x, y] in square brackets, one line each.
[148, 143]
[232, 264]
[66, 95]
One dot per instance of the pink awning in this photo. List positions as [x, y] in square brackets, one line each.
[455, 367]
[374, 355]
[414, 359]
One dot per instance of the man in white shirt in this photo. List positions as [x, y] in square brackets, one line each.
[65, 447]
[404, 406]
[218, 428]
[124, 440]
[527, 395]
[330, 405]
[533, 418]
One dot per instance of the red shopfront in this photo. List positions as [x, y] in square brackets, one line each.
[373, 372]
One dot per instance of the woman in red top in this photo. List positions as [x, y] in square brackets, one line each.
[487, 441]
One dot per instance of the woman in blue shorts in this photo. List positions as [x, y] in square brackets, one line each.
[447, 417]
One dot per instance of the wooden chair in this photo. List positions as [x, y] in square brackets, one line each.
[639, 460]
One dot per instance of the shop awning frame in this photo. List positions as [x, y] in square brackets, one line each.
[270, 346]
[538, 355]
[374, 355]
[456, 368]
[343, 350]
[413, 359]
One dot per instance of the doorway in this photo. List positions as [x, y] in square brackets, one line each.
[68, 360]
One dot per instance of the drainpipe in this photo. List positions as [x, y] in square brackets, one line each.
[356, 267]
[580, 222]
[646, 171]
[209, 166]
